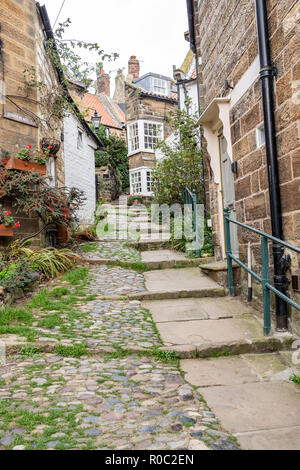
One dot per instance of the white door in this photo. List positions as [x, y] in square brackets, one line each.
[228, 191]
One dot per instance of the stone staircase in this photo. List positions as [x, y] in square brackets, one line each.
[243, 375]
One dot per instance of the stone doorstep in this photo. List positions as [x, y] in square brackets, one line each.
[181, 294]
[216, 266]
[184, 351]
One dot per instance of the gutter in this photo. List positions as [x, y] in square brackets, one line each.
[267, 74]
[49, 34]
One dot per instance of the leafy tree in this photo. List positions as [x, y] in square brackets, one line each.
[181, 165]
[115, 152]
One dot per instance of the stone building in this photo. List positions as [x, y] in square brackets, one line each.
[111, 113]
[224, 37]
[28, 111]
[149, 101]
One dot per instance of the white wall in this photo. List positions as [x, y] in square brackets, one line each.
[80, 166]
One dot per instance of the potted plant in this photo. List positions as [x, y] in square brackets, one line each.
[6, 224]
[134, 199]
[26, 160]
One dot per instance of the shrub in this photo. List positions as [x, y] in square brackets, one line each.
[51, 261]
[134, 198]
[182, 163]
[15, 276]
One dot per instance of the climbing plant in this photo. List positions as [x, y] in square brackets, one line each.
[116, 153]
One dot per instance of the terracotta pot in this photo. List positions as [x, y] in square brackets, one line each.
[6, 231]
[23, 165]
[64, 234]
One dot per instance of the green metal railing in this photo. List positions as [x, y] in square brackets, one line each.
[264, 279]
[190, 199]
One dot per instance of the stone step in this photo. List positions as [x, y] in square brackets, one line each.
[252, 397]
[218, 271]
[178, 283]
[150, 245]
[163, 259]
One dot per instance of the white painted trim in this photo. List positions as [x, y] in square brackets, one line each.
[245, 82]
[141, 135]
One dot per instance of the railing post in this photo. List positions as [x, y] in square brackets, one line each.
[266, 291]
[228, 252]
[195, 210]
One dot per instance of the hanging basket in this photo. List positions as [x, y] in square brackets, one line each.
[24, 165]
[6, 230]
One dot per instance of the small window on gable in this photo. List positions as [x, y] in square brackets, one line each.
[79, 139]
[160, 86]
[260, 136]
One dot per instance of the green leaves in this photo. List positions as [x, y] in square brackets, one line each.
[182, 162]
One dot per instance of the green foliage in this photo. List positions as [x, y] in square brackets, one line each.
[115, 152]
[89, 247]
[102, 158]
[182, 163]
[296, 379]
[32, 194]
[15, 275]
[76, 350]
[134, 198]
[51, 261]
[76, 276]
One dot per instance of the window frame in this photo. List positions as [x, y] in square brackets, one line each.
[143, 140]
[159, 84]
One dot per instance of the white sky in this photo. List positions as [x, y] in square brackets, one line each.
[153, 30]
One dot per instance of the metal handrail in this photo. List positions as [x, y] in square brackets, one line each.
[265, 278]
[190, 198]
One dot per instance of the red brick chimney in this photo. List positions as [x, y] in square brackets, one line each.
[103, 82]
[134, 67]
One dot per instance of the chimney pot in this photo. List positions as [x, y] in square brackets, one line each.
[103, 82]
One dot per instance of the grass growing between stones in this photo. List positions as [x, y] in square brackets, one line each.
[137, 266]
[76, 350]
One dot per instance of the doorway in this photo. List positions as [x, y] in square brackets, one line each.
[228, 192]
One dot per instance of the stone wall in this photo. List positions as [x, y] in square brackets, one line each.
[23, 47]
[227, 44]
[109, 183]
[140, 106]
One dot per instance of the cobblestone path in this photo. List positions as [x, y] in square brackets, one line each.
[75, 398]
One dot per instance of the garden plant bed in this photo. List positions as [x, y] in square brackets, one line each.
[24, 165]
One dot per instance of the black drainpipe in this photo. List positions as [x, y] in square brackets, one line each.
[267, 73]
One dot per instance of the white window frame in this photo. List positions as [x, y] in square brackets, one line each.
[143, 181]
[136, 182]
[160, 86]
[260, 136]
[141, 142]
[133, 137]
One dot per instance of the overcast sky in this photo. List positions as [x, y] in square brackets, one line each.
[153, 30]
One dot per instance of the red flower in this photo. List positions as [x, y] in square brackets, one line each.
[29, 146]
[17, 225]
[7, 214]
[50, 147]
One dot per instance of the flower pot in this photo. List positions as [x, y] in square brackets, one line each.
[64, 234]
[6, 230]
[24, 165]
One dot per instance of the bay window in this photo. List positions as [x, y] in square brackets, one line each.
[143, 136]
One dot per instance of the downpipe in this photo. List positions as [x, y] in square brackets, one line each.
[267, 73]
